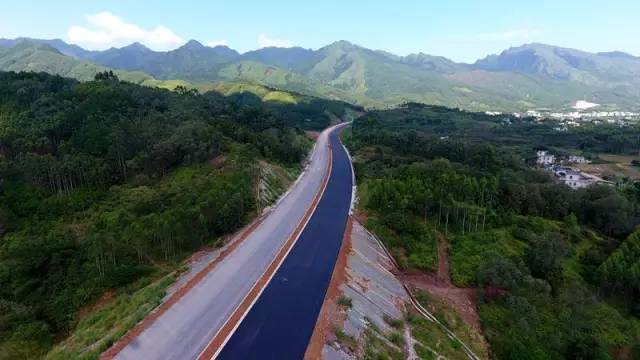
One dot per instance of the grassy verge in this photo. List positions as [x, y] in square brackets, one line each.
[432, 341]
[100, 329]
[450, 318]
[379, 346]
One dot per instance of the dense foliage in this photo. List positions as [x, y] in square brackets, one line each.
[555, 278]
[104, 182]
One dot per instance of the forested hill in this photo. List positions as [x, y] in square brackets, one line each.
[556, 271]
[105, 186]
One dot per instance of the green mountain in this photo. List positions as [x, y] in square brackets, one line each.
[192, 61]
[605, 78]
[522, 78]
[66, 49]
[295, 59]
[565, 64]
[41, 57]
[28, 56]
[271, 76]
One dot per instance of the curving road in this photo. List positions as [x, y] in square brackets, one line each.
[187, 328]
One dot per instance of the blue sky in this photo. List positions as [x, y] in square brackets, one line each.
[463, 30]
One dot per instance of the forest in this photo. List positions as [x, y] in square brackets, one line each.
[556, 271]
[106, 184]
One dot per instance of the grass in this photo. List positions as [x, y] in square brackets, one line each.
[275, 180]
[345, 301]
[396, 338]
[346, 339]
[431, 336]
[375, 348]
[469, 252]
[425, 353]
[450, 318]
[397, 324]
[410, 250]
[99, 330]
[263, 92]
[373, 343]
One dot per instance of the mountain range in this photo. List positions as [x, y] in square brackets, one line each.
[521, 78]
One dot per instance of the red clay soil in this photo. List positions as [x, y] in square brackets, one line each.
[218, 161]
[361, 217]
[438, 285]
[107, 298]
[330, 316]
[462, 300]
[443, 276]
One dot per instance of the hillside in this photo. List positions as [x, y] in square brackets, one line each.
[606, 78]
[40, 57]
[192, 61]
[106, 186]
[564, 64]
[522, 78]
[546, 272]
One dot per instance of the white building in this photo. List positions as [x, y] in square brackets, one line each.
[577, 179]
[573, 179]
[574, 159]
[544, 158]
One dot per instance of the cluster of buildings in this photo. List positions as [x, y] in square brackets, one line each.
[571, 177]
[571, 119]
[545, 158]
[609, 116]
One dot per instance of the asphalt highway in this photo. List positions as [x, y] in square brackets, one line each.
[187, 327]
[281, 322]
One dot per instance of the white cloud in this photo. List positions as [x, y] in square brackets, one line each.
[214, 43]
[264, 41]
[106, 30]
[509, 35]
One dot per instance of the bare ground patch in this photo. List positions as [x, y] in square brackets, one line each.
[439, 286]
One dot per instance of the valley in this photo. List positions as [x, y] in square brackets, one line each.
[203, 180]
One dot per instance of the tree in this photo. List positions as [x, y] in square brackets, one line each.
[545, 256]
[106, 75]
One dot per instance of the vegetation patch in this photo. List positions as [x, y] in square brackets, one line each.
[345, 301]
[554, 267]
[107, 186]
[99, 330]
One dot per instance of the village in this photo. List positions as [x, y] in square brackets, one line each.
[562, 171]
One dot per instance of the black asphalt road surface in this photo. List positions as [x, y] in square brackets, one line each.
[281, 322]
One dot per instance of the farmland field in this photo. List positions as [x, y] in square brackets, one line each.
[614, 166]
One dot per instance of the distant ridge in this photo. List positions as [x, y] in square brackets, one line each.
[520, 78]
